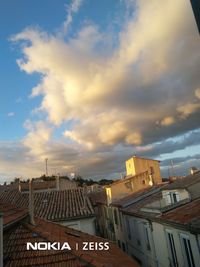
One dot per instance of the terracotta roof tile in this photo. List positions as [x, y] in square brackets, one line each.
[15, 253]
[54, 205]
[185, 182]
[188, 214]
[11, 213]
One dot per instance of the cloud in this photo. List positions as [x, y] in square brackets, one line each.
[115, 97]
[167, 121]
[197, 93]
[188, 109]
[71, 9]
[11, 114]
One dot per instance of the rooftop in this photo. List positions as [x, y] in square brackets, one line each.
[16, 254]
[184, 182]
[187, 215]
[135, 156]
[11, 214]
[136, 196]
[54, 205]
[127, 178]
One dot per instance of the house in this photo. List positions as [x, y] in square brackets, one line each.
[141, 173]
[68, 207]
[54, 184]
[161, 226]
[41, 185]
[16, 230]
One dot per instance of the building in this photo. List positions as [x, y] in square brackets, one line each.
[161, 225]
[55, 184]
[68, 207]
[41, 184]
[16, 230]
[136, 165]
[141, 173]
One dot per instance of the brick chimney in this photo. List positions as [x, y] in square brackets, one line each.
[31, 202]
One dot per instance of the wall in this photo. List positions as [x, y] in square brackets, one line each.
[159, 235]
[86, 225]
[127, 186]
[66, 184]
[136, 165]
[136, 240]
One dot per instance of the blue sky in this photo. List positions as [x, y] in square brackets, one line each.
[108, 79]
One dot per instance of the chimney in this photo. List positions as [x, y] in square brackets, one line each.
[1, 240]
[193, 170]
[84, 196]
[19, 186]
[31, 202]
[57, 182]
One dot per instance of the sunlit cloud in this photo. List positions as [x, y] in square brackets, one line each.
[137, 94]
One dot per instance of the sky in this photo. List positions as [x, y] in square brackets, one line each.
[87, 84]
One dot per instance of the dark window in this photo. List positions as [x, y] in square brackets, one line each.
[172, 249]
[115, 217]
[119, 243]
[188, 251]
[123, 246]
[128, 228]
[147, 238]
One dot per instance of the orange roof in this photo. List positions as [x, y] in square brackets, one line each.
[11, 214]
[16, 254]
[54, 205]
[188, 214]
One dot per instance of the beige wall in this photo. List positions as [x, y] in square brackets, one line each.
[127, 186]
[86, 225]
[65, 184]
[136, 165]
[158, 254]
[159, 235]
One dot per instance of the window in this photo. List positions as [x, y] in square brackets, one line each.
[115, 217]
[119, 243]
[123, 246]
[128, 228]
[187, 250]
[137, 232]
[129, 185]
[172, 197]
[147, 237]
[171, 248]
[151, 170]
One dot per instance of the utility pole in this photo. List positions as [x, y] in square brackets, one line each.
[46, 166]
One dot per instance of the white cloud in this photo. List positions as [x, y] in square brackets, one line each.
[71, 9]
[115, 97]
[11, 114]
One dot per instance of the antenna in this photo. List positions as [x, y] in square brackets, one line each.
[46, 166]
[172, 167]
